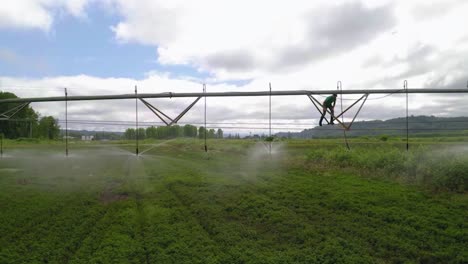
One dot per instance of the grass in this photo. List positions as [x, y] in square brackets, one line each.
[309, 203]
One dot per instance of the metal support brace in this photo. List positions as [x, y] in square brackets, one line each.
[15, 110]
[339, 87]
[171, 121]
[318, 109]
[136, 122]
[156, 111]
[185, 111]
[334, 118]
[349, 107]
[359, 110]
[316, 102]
[66, 122]
[405, 86]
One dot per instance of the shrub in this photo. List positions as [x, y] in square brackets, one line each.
[383, 138]
[32, 140]
[452, 175]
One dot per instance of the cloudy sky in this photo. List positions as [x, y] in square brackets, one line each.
[109, 46]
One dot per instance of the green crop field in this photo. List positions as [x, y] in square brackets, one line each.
[309, 202]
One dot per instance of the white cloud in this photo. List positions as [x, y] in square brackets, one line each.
[260, 39]
[244, 39]
[37, 14]
[291, 111]
[293, 44]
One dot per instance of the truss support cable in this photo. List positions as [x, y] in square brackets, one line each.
[349, 107]
[405, 86]
[327, 111]
[14, 110]
[185, 111]
[155, 111]
[340, 88]
[158, 112]
[66, 122]
[136, 120]
[318, 109]
[206, 130]
[359, 110]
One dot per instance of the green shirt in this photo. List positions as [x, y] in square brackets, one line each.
[329, 101]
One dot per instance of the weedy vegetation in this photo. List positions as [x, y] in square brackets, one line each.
[308, 202]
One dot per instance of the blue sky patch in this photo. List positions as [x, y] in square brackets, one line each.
[80, 46]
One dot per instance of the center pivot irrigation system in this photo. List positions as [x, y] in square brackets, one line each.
[168, 121]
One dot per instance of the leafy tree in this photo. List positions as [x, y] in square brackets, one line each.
[201, 132]
[151, 132]
[211, 133]
[190, 131]
[141, 133]
[175, 131]
[26, 119]
[48, 128]
[130, 133]
[219, 133]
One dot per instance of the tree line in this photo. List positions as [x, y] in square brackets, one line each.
[165, 132]
[27, 122]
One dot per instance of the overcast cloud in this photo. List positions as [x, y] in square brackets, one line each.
[294, 45]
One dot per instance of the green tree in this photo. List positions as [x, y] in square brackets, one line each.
[48, 128]
[219, 133]
[201, 132]
[22, 123]
[151, 132]
[211, 133]
[129, 133]
[175, 131]
[141, 133]
[190, 131]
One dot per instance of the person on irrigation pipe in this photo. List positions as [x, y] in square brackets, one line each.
[329, 103]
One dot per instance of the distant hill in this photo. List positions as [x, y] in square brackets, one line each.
[421, 125]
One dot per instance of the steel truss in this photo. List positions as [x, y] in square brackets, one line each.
[24, 102]
[170, 121]
[232, 94]
[335, 118]
[13, 111]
